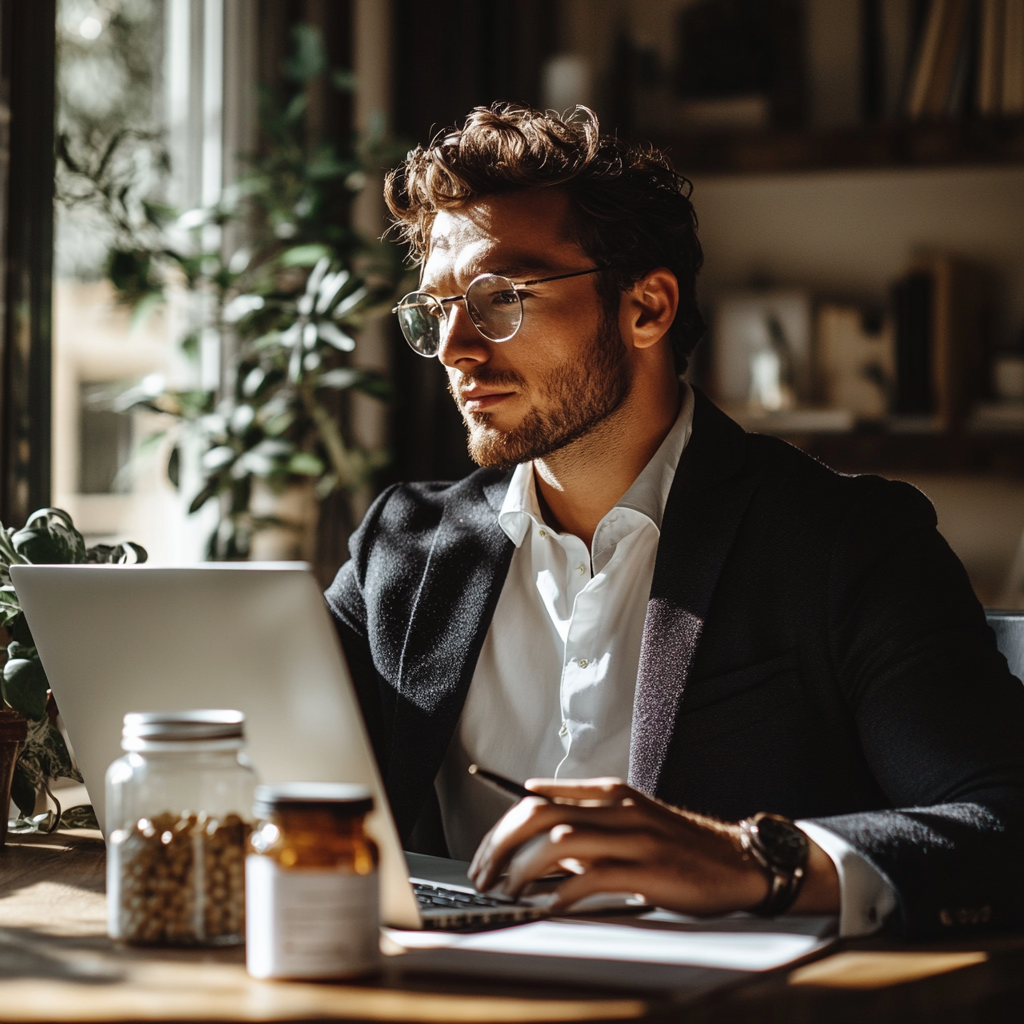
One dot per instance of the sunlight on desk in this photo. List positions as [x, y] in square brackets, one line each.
[880, 970]
[191, 991]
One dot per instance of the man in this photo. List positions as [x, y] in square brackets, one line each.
[632, 588]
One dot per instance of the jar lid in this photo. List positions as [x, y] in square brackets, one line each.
[342, 797]
[147, 727]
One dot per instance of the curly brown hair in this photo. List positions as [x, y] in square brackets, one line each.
[630, 210]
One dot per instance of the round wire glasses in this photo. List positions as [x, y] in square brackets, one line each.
[492, 301]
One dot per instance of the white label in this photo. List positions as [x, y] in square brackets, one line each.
[309, 923]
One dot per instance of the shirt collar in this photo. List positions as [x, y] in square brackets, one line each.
[647, 495]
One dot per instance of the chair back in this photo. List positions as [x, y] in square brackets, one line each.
[1009, 630]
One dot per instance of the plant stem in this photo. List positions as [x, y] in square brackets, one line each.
[330, 435]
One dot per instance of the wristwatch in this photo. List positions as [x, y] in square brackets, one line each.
[781, 849]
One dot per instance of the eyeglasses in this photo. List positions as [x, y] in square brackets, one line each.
[492, 301]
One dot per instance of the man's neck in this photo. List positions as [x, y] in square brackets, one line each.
[579, 485]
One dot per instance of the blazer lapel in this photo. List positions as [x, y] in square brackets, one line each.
[705, 506]
[459, 589]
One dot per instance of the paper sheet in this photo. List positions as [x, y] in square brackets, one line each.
[636, 943]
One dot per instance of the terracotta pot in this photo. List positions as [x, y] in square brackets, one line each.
[13, 730]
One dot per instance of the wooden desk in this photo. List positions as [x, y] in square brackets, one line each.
[57, 965]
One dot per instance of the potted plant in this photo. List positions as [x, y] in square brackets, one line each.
[48, 538]
[275, 271]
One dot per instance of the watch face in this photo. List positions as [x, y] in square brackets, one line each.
[784, 844]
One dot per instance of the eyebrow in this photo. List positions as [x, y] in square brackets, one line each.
[521, 267]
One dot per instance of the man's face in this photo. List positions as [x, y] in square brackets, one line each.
[566, 368]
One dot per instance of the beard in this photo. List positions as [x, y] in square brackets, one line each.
[578, 398]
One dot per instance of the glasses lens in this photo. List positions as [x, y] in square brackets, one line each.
[495, 307]
[421, 317]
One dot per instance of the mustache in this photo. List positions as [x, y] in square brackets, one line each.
[486, 376]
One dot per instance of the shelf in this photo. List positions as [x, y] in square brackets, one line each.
[877, 450]
[958, 143]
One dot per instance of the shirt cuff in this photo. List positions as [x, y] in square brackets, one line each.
[866, 896]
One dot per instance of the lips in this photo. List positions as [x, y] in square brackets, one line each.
[482, 399]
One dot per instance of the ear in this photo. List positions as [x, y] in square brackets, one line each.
[647, 309]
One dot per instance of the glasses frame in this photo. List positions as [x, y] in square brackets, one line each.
[448, 300]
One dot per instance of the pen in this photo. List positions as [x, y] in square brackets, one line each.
[499, 782]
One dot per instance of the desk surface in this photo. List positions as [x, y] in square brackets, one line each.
[56, 964]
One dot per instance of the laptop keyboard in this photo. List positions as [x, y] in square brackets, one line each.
[429, 896]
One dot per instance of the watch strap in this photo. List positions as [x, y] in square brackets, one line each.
[785, 875]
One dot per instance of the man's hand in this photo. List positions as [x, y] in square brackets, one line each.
[612, 838]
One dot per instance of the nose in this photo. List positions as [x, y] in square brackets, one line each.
[462, 345]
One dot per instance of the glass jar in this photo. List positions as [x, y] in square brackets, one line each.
[178, 820]
[311, 883]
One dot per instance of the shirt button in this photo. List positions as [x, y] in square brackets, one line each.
[543, 533]
[564, 731]
[581, 569]
[583, 663]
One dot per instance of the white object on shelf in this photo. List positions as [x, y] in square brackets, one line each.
[742, 331]
[855, 364]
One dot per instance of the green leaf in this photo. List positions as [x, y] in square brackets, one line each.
[304, 255]
[218, 458]
[208, 492]
[23, 789]
[308, 57]
[49, 538]
[344, 81]
[174, 467]
[10, 606]
[297, 107]
[20, 650]
[335, 337]
[82, 816]
[305, 464]
[21, 632]
[145, 307]
[24, 687]
[189, 346]
[127, 553]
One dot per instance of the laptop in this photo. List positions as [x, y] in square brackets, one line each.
[256, 637]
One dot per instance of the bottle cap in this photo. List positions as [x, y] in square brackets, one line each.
[341, 797]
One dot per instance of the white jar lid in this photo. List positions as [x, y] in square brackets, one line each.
[142, 728]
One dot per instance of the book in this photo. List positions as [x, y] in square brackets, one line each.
[990, 58]
[926, 57]
[912, 301]
[1013, 59]
[963, 92]
[953, 37]
[962, 324]
[897, 47]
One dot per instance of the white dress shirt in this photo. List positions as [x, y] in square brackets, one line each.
[577, 616]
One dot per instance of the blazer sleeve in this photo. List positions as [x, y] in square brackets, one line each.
[940, 719]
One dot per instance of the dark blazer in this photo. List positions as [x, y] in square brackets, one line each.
[812, 647]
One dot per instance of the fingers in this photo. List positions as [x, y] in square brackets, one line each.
[603, 790]
[601, 878]
[575, 849]
[693, 881]
[533, 817]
